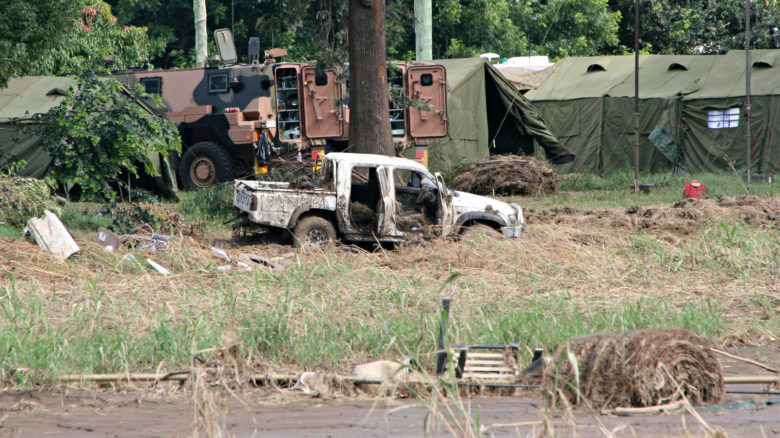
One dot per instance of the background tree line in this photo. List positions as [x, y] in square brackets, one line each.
[56, 37]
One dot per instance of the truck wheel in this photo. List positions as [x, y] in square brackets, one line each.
[204, 164]
[313, 231]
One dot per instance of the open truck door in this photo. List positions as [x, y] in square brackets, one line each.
[445, 202]
[386, 208]
[321, 99]
[427, 89]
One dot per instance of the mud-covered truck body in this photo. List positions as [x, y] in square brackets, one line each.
[234, 118]
[363, 197]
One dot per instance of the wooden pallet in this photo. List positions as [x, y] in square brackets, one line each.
[486, 363]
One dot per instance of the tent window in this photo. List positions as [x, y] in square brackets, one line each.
[152, 85]
[762, 64]
[718, 119]
[596, 67]
[677, 66]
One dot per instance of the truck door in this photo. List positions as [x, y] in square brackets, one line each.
[386, 208]
[445, 201]
[321, 100]
[427, 89]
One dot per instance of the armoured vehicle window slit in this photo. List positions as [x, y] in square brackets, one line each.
[320, 79]
[218, 83]
[152, 85]
[426, 80]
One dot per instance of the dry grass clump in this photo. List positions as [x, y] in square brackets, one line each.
[635, 369]
[507, 175]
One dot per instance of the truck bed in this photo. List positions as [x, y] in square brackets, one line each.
[274, 203]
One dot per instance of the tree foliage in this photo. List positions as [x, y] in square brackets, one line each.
[100, 130]
[55, 37]
[696, 26]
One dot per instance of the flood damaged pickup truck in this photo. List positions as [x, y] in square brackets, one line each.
[373, 198]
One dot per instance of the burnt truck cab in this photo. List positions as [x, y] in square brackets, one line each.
[234, 118]
[364, 197]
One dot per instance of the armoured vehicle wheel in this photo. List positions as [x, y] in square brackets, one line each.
[314, 231]
[205, 164]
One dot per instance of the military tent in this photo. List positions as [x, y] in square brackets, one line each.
[691, 111]
[487, 115]
[27, 96]
[19, 102]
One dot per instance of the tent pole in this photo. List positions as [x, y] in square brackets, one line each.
[636, 96]
[748, 68]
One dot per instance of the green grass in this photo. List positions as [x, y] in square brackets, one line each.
[590, 191]
[212, 204]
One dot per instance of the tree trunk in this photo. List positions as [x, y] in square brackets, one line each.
[369, 119]
[423, 30]
[201, 50]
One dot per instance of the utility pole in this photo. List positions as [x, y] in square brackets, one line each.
[748, 68]
[636, 96]
[423, 29]
[201, 48]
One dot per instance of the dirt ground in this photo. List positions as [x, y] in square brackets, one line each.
[264, 412]
[110, 414]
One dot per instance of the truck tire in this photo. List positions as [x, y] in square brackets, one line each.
[204, 164]
[313, 231]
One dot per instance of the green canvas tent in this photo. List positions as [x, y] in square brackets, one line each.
[487, 115]
[691, 111]
[30, 95]
[19, 102]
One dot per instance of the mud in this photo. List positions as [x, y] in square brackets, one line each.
[107, 414]
[681, 218]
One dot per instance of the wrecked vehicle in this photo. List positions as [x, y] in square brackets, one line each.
[372, 198]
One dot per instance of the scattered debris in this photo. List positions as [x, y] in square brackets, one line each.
[157, 267]
[635, 369]
[51, 235]
[382, 370]
[507, 175]
[107, 239]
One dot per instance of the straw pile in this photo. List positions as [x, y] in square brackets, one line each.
[507, 175]
[635, 369]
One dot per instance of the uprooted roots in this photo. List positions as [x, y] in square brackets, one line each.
[637, 368]
[507, 175]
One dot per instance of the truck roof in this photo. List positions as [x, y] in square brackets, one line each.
[377, 160]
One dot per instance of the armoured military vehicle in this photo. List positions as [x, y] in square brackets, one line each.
[234, 117]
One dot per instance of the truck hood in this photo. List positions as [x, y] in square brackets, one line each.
[464, 202]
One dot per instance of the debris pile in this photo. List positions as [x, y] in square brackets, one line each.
[635, 369]
[507, 175]
[23, 198]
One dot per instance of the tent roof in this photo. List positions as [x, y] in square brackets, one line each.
[459, 70]
[694, 76]
[31, 95]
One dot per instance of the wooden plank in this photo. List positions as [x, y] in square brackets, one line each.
[493, 356]
[498, 363]
[489, 369]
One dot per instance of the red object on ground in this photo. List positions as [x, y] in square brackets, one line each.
[695, 189]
